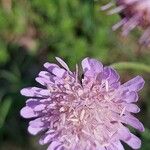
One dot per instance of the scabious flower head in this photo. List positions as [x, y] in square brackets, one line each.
[134, 13]
[83, 113]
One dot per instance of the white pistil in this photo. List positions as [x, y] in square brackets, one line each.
[122, 112]
[63, 118]
[74, 113]
[116, 10]
[66, 79]
[107, 97]
[52, 105]
[80, 92]
[62, 63]
[62, 109]
[77, 72]
[119, 24]
[105, 144]
[82, 114]
[106, 85]
[85, 132]
[67, 86]
[107, 6]
[76, 138]
[50, 89]
[73, 120]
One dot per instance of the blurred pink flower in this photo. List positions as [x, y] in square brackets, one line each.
[134, 13]
[83, 113]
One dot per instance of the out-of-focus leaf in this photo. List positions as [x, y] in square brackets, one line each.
[146, 134]
[11, 77]
[146, 139]
[4, 109]
[4, 56]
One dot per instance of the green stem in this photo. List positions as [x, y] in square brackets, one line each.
[131, 65]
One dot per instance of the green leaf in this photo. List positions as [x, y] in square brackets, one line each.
[4, 109]
[10, 76]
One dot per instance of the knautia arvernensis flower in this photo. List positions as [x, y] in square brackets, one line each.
[83, 113]
[134, 13]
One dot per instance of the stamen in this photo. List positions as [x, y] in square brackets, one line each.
[144, 39]
[63, 118]
[80, 92]
[116, 10]
[119, 24]
[77, 72]
[73, 120]
[50, 89]
[85, 132]
[123, 110]
[106, 85]
[62, 109]
[63, 63]
[82, 114]
[107, 6]
[130, 25]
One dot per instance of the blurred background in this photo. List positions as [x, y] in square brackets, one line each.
[35, 31]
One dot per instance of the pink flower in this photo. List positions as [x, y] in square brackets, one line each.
[83, 113]
[134, 13]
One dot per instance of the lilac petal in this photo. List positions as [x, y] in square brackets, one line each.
[38, 104]
[130, 97]
[50, 77]
[132, 121]
[54, 145]
[115, 85]
[111, 75]
[115, 146]
[45, 74]
[47, 138]
[35, 92]
[32, 102]
[127, 137]
[43, 81]
[111, 147]
[27, 112]
[44, 92]
[99, 148]
[134, 142]
[34, 131]
[58, 72]
[60, 148]
[124, 133]
[55, 69]
[36, 123]
[62, 63]
[39, 107]
[132, 108]
[50, 66]
[35, 126]
[45, 78]
[118, 145]
[92, 65]
[134, 84]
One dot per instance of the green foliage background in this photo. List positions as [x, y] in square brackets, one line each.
[35, 31]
